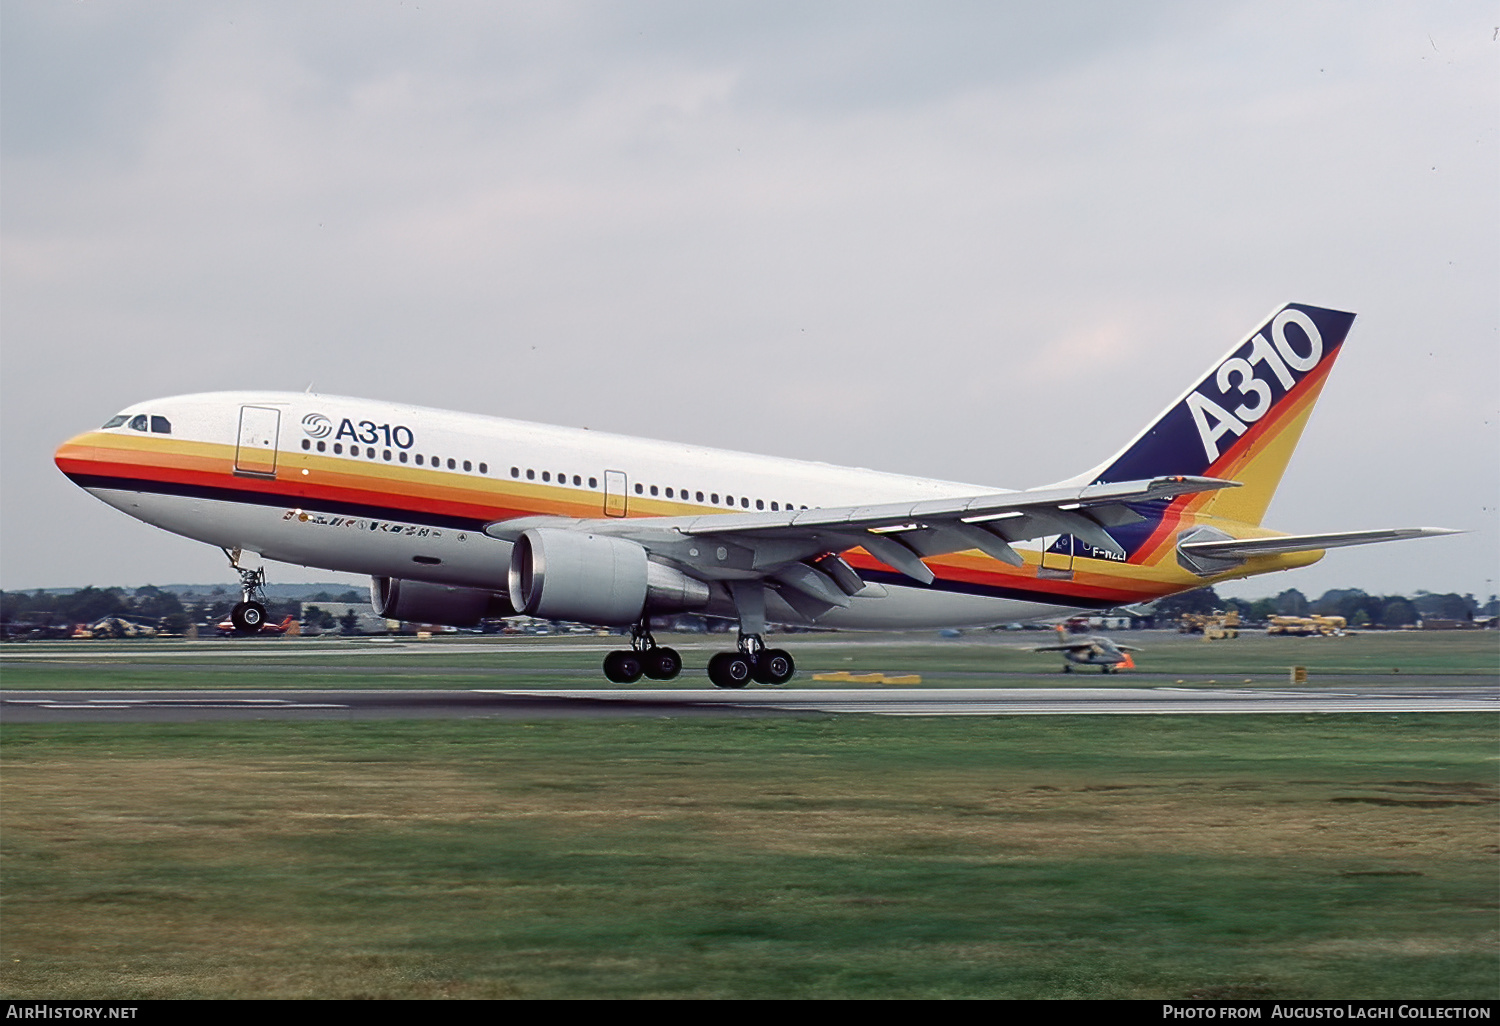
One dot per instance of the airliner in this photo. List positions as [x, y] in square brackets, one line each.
[457, 517]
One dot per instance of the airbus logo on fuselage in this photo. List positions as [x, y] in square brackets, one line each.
[1278, 357]
[316, 425]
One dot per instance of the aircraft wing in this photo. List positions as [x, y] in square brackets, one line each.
[796, 550]
[1243, 548]
[1082, 645]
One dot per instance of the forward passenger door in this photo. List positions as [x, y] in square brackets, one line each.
[255, 452]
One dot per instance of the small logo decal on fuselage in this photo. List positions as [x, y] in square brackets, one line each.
[317, 426]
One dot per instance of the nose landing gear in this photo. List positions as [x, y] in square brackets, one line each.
[249, 614]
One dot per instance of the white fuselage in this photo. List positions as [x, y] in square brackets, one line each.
[401, 491]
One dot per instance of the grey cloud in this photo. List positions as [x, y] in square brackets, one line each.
[982, 242]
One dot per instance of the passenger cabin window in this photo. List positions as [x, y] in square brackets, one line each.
[468, 466]
[138, 422]
[114, 421]
[161, 426]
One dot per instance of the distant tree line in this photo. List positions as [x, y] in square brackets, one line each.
[1359, 608]
[150, 605]
[166, 611]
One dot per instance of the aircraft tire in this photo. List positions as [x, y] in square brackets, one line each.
[623, 667]
[729, 670]
[775, 666]
[248, 617]
[661, 663]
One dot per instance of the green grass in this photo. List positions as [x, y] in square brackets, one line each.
[980, 659]
[1135, 857]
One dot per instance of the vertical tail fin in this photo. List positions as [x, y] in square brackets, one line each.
[1244, 417]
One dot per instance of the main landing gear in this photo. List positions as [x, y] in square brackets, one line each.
[249, 614]
[644, 656]
[751, 661]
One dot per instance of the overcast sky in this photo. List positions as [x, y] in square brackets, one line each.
[978, 241]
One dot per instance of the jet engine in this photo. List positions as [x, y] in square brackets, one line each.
[421, 602]
[592, 578]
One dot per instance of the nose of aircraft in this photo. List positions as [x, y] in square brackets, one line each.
[74, 456]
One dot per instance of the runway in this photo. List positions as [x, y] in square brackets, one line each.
[183, 706]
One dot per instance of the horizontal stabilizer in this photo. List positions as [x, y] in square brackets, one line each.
[1244, 548]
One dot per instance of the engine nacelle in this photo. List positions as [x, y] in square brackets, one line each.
[593, 578]
[421, 602]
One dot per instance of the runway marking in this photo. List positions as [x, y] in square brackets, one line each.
[261, 649]
[171, 703]
[1030, 701]
[33, 706]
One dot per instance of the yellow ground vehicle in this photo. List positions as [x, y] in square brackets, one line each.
[1215, 626]
[1324, 626]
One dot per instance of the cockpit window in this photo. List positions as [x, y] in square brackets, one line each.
[114, 421]
[138, 422]
[161, 426]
